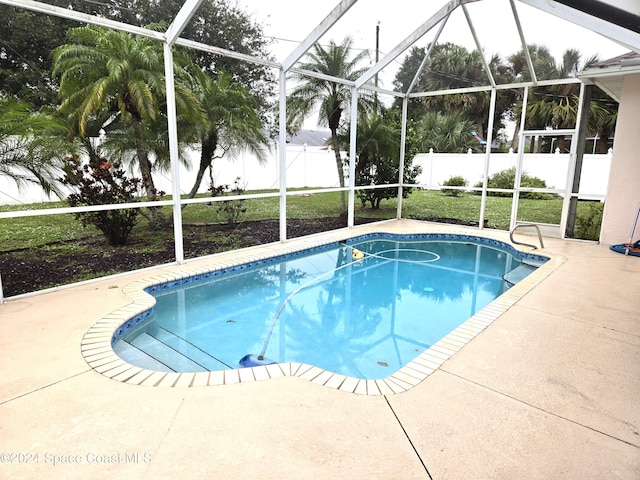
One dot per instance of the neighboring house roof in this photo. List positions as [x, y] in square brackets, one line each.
[310, 138]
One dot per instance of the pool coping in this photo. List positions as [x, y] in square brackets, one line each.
[97, 350]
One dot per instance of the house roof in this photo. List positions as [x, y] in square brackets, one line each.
[310, 138]
[618, 20]
[625, 59]
[609, 74]
[624, 13]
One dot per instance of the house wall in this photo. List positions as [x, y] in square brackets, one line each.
[623, 191]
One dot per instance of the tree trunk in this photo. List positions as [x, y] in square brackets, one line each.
[340, 167]
[157, 220]
[516, 138]
[561, 144]
[334, 123]
[209, 146]
[602, 144]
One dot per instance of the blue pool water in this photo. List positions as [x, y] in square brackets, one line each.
[363, 308]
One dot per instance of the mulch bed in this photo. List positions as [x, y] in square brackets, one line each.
[33, 269]
[29, 270]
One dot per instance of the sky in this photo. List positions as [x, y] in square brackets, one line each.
[290, 21]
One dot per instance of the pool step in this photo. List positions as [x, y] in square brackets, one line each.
[518, 273]
[189, 350]
[532, 262]
[133, 355]
[165, 355]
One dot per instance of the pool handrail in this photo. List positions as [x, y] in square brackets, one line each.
[523, 225]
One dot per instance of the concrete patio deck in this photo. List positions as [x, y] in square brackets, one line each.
[549, 390]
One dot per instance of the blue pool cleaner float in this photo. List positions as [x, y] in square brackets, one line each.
[251, 360]
[627, 248]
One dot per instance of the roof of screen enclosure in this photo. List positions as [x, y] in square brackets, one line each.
[616, 20]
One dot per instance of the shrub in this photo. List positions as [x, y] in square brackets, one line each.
[505, 179]
[384, 174]
[589, 224]
[229, 209]
[102, 183]
[455, 181]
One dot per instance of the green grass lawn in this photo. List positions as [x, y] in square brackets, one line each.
[26, 232]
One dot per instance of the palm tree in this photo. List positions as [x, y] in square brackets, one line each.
[31, 145]
[336, 61]
[105, 70]
[553, 106]
[452, 66]
[543, 64]
[602, 120]
[121, 141]
[231, 121]
[544, 67]
[449, 132]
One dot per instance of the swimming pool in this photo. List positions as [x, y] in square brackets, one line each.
[363, 308]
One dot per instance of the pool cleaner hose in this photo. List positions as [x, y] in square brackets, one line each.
[251, 360]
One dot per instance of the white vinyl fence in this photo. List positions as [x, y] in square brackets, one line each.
[550, 167]
[306, 167]
[316, 168]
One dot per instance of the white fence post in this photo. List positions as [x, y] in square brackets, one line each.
[430, 167]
